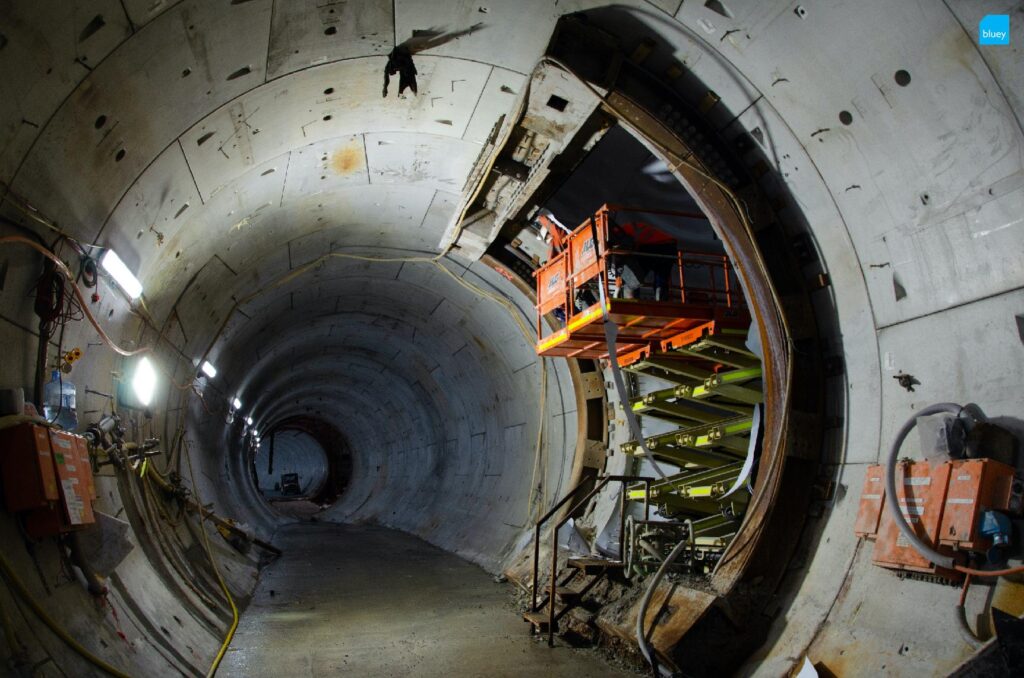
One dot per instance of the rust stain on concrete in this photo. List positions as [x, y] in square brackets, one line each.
[348, 159]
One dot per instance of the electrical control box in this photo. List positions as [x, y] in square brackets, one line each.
[920, 493]
[30, 480]
[47, 478]
[942, 502]
[977, 485]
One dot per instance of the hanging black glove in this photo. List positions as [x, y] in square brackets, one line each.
[400, 62]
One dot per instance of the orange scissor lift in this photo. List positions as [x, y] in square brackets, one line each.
[703, 295]
[693, 338]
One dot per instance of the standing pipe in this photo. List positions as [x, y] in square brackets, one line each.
[641, 636]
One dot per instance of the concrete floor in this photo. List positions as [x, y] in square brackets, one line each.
[369, 601]
[296, 508]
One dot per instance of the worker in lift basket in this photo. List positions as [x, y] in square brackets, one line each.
[629, 269]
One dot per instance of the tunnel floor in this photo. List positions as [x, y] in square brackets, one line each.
[370, 601]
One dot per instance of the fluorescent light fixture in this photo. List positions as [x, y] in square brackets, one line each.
[248, 420]
[144, 381]
[117, 269]
[208, 369]
[236, 403]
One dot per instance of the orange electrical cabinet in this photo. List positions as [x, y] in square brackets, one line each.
[976, 485]
[47, 478]
[29, 477]
[871, 500]
[921, 495]
[75, 483]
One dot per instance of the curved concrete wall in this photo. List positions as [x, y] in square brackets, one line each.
[294, 452]
[255, 141]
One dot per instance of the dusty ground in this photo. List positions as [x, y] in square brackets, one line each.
[296, 508]
[368, 601]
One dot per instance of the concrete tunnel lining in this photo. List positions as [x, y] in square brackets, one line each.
[295, 451]
[437, 381]
[953, 134]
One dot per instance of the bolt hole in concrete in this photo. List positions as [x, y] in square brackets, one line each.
[101, 121]
[92, 27]
[330, 30]
[902, 78]
[244, 70]
[120, 155]
[845, 117]
[558, 103]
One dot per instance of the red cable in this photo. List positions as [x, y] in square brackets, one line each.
[963, 591]
[971, 572]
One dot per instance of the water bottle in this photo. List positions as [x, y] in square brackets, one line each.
[59, 402]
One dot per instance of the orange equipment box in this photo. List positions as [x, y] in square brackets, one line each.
[975, 485]
[30, 480]
[942, 502]
[47, 476]
[872, 499]
[921, 494]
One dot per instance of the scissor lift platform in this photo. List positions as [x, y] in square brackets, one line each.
[700, 289]
[642, 327]
[691, 339]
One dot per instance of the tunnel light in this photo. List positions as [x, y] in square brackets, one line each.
[248, 420]
[144, 381]
[208, 369]
[236, 403]
[117, 269]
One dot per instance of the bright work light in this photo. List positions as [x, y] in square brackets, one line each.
[117, 269]
[144, 381]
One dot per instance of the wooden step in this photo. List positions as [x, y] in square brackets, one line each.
[539, 619]
[568, 595]
[595, 565]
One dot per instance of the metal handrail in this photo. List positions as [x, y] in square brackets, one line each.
[597, 227]
[604, 480]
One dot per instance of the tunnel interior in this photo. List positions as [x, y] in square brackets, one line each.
[313, 451]
[327, 357]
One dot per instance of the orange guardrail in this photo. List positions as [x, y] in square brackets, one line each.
[690, 283]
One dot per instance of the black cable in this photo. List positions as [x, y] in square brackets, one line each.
[88, 271]
[50, 295]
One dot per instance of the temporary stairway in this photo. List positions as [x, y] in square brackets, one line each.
[584, 574]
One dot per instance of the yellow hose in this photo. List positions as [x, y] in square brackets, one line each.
[20, 589]
[213, 563]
